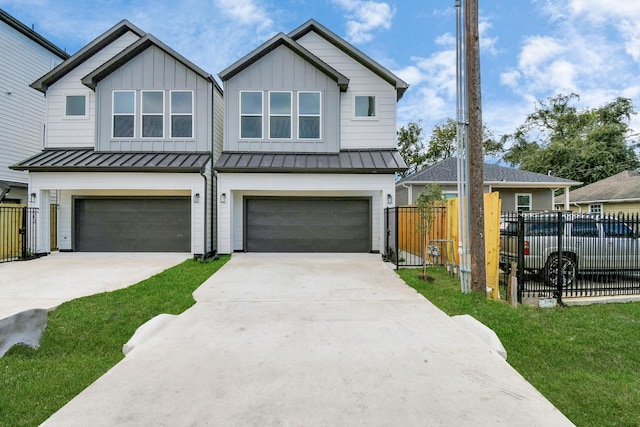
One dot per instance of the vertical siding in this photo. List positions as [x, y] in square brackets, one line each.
[358, 133]
[154, 69]
[282, 69]
[22, 112]
[78, 132]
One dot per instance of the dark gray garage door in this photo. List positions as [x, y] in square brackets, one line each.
[132, 224]
[307, 225]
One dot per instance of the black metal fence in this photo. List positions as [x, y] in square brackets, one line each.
[567, 255]
[17, 232]
[407, 246]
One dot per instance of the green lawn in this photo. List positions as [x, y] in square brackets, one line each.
[585, 360]
[84, 339]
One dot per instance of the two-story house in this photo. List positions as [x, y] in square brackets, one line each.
[25, 55]
[310, 147]
[132, 129]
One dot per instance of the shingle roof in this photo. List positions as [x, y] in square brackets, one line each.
[350, 161]
[88, 160]
[447, 171]
[622, 186]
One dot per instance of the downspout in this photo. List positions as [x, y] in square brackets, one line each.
[409, 192]
[204, 252]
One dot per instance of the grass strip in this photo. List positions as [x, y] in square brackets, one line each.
[584, 359]
[84, 339]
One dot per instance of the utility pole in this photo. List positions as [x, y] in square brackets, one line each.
[475, 154]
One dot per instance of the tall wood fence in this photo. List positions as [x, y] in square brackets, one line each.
[17, 232]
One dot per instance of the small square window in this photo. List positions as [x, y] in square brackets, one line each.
[76, 105]
[365, 106]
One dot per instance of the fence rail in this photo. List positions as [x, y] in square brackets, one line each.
[17, 232]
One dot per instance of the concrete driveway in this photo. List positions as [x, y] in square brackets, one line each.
[310, 340]
[47, 282]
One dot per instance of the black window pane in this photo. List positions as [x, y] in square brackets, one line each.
[181, 127]
[152, 126]
[280, 127]
[123, 126]
[251, 127]
[309, 127]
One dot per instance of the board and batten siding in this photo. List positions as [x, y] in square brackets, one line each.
[72, 132]
[22, 109]
[363, 132]
[154, 69]
[282, 70]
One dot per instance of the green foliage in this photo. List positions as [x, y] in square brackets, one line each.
[585, 146]
[411, 147]
[585, 360]
[84, 339]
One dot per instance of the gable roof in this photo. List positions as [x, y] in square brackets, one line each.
[624, 186]
[31, 34]
[312, 25]
[281, 39]
[446, 171]
[92, 79]
[86, 52]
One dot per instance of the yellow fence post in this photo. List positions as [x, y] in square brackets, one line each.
[492, 207]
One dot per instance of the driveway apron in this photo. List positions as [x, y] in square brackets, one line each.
[310, 340]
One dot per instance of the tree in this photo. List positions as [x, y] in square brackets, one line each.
[430, 197]
[411, 147]
[587, 145]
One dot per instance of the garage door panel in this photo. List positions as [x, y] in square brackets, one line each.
[133, 225]
[307, 225]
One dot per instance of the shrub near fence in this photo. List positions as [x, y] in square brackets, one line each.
[17, 232]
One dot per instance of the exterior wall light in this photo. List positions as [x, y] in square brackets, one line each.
[196, 198]
[32, 197]
[223, 198]
[389, 199]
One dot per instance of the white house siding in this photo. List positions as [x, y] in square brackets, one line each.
[63, 132]
[70, 184]
[22, 109]
[358, 133]
[236, 186]
[282, 70]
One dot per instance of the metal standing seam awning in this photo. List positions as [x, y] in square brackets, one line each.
[88, 160]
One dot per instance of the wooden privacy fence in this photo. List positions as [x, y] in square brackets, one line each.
[405, 244]
[17, 232]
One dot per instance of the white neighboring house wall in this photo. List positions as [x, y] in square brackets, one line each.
[78, 132]
[237, 185]
[72, 184]
[22, 109]
[357, 132]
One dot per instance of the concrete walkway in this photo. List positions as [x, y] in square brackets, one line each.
[310, 340]
[47, 282]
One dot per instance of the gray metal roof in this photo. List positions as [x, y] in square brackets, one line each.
[349, 161]
[276, 41]
[312, 25]
[88, 160]
[86, 52]
[446, 171]
[31, 34]
[92, 79]
[623, 186]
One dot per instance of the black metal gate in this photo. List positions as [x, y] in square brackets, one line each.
[17, 233]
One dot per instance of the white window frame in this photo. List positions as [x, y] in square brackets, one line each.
[600, 208]
[171, 114]
[143, 114]
[113, 113]
[368, 95]
[298, 115]
[529, 195]
[86, 107]
[290, 115]
[261, 115]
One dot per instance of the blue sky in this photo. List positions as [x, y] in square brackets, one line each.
[530, 49]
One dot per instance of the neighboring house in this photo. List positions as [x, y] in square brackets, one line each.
[310, 147]
[518, 189]
[132, 130]
[25, 56]
[616, 194]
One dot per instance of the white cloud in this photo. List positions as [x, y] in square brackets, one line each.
[246, 12]
[365, 18]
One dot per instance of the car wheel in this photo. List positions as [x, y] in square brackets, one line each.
[565, 266]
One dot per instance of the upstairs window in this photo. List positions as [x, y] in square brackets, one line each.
[309, 115]
[152, 114]
[251, 115]
[75, 106]
[365, 106]
[181, 114]
[280, 115]
[124, 111]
